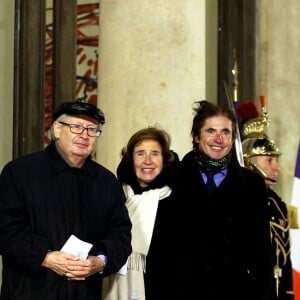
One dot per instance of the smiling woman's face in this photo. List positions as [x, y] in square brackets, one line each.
[147, 161]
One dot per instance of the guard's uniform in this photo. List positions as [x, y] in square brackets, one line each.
[280, 225]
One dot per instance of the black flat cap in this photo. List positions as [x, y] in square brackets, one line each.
[79, 108]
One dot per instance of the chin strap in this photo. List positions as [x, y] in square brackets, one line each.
[254, 167]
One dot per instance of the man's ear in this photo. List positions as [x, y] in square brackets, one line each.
[56, 130]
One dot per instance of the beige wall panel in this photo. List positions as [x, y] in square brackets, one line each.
[6, 84]
[278, 78]
[152, 68]
[6, 79]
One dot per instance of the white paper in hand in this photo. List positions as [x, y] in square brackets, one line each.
[77, 247]
[123, 270]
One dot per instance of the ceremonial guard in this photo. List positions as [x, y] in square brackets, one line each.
[262, 156]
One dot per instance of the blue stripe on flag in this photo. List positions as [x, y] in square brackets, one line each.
[297, 170]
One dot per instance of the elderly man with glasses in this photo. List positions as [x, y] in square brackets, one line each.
[63, 220]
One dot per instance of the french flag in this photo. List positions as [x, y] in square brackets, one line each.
[295, 233]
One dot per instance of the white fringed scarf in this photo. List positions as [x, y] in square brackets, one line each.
[142, 210]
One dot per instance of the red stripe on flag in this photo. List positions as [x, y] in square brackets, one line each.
[296, 283]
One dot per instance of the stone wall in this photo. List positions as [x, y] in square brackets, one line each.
[278, 78]
[152, 69]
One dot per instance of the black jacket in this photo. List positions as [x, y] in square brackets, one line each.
[42, 202]
[225, 236]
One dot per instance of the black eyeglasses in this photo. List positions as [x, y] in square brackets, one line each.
[79, 129]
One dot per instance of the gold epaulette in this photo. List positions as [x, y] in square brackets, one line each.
[293, 216]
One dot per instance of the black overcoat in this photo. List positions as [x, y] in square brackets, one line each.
[42, 202]
[225, 237]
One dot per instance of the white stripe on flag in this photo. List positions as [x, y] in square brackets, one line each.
[295, 233]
